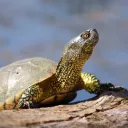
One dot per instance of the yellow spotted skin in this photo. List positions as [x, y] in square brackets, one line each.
[90, 83]
[61, 87]
[37, 94]
[33, 94]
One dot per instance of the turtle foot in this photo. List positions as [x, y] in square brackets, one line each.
[110, 87]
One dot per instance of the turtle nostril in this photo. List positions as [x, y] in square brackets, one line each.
[93, 30]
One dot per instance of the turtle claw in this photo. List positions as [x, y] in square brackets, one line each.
[109, 87]
[117, 88]
[26, 105]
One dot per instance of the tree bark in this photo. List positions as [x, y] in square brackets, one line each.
[109, 109]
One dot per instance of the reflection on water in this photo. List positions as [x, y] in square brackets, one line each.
[42, 27]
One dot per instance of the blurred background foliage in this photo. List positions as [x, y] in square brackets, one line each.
[30, 28]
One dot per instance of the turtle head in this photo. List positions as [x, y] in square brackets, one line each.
[75, 54]
[81, 46]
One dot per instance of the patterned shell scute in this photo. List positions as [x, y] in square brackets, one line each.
[24, 73]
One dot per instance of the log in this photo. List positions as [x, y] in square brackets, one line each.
[107, 110]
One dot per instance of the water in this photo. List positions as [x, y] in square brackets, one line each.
[43, 27]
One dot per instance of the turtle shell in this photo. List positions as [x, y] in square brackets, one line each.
[24, 73]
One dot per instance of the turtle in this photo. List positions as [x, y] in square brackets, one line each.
[36, 82]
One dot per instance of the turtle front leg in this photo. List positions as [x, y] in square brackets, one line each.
[90, 83]
[30, 98]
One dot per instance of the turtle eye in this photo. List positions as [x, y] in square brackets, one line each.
[85, 35]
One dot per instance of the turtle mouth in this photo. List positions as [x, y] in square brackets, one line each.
[95, 36]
